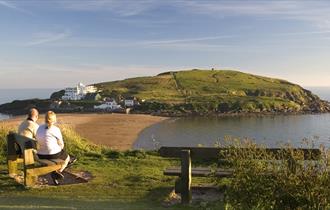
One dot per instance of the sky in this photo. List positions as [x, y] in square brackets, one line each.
[57, 43]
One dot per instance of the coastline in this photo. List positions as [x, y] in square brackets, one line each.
[118, 131]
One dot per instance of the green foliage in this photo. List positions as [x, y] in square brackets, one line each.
[262, 182]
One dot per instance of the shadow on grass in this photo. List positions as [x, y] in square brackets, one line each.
[7, 183]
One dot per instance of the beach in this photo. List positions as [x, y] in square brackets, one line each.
[118, 131]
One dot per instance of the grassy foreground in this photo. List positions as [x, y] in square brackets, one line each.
[121, 180]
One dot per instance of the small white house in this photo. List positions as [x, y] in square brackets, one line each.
[108, 105]
[129, 102]
[78, 92]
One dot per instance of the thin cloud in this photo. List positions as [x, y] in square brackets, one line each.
[172, 41]
[315, 12]
[121, 8]
[44, 38]
[14, 7]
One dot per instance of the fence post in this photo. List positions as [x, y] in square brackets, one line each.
[185, 177]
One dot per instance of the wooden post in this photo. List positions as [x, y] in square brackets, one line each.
[292, 164]
[12, 157]
[30, 178]
[12, 168]
[185, 177]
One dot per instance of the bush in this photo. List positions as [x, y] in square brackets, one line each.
[262, 182]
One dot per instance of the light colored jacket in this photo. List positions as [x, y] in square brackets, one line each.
[28, 128]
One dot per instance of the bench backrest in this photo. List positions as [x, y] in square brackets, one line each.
[211, 153]
[20, 146]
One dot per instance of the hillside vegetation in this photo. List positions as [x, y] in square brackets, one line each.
[215, 91]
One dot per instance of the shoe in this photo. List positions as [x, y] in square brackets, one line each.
[71, 161]
[59, 175]
[56, 176]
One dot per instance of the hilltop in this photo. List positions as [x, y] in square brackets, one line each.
[216, 91]
[197, 92]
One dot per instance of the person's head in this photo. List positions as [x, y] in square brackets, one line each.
[50, 118]
[33, 114]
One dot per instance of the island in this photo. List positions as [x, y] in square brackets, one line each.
[191, 92]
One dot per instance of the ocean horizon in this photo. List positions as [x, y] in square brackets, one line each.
[9, 95]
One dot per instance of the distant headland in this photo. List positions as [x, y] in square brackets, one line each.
[183, 93]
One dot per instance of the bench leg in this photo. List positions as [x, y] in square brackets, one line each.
[30, 179]
[31, 174]
[185, 181]
[12, 168]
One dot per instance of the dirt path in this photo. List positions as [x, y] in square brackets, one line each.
[118, 131]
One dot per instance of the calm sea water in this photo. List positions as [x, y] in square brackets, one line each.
[268, 130]
[8, 95]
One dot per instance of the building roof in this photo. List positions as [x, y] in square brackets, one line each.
[91, 96]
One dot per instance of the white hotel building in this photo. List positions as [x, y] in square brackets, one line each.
[78, 92]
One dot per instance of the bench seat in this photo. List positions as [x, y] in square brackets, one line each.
[21, 149]
[46, 162]
[200, 172]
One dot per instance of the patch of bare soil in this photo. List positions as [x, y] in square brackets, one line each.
[69, 178]
[200, 195]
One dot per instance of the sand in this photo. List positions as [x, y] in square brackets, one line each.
[118, 131]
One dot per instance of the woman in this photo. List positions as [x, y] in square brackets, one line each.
[51, 145]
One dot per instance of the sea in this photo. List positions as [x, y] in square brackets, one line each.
[310, 130]
[9, 95]
[271, 131]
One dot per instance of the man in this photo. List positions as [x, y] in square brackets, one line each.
[29, 126]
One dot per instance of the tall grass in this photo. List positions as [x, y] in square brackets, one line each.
[76, 145]
[263, 180]
[4, 130]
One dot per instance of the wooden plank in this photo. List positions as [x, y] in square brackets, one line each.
[185, 177]
[200, 172]
[195, 152]
[224, 173]
[42, 170]
[58, 161]
[46, 162]
[209, 153]
[28, 157]
[31, 174]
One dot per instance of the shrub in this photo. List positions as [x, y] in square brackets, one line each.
[263, 182]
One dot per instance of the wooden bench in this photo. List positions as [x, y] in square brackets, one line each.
[21, 150]
[212, 154]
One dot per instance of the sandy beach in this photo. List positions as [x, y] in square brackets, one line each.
[118, 131]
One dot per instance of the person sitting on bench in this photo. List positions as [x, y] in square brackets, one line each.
[29, 126]
[51, 145]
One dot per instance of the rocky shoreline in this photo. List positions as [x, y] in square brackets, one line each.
[17, 108]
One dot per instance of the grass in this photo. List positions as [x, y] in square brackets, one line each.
[121, 180]
[214, 86]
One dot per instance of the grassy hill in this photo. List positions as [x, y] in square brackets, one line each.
[217, 90]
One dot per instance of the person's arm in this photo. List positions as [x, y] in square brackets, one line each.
[34, 133]
[60, 141]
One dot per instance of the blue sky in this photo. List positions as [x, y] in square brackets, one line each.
[55, 44]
